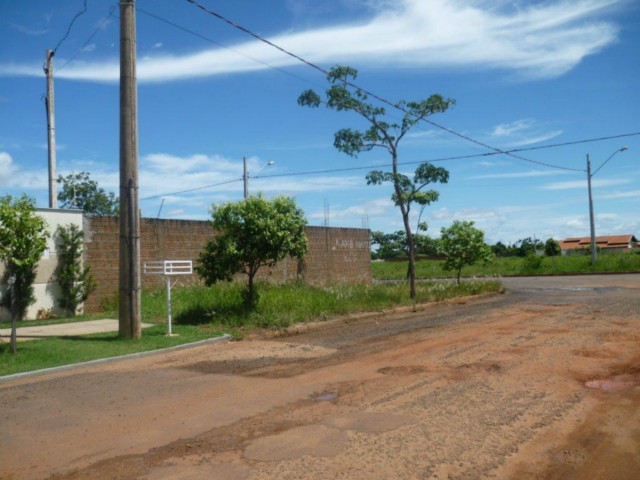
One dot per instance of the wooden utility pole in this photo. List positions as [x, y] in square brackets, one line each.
[51, 129]
[129, 295]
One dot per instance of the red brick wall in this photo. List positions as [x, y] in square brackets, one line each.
[334, 254]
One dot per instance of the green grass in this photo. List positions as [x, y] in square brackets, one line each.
[53, 352]
[201, 313]
[514, 266]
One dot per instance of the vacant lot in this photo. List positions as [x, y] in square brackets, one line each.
[542, 382]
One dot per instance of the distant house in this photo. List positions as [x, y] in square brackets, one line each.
[608, 243]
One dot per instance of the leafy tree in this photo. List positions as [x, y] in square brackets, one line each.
[342, 95]
[528, 246]
[75, 281]
[552, 248]
[23, 239]
[500, 250]
[390, 245]
[251, 234]
[394, 245]
[80, 192]
[463, 244]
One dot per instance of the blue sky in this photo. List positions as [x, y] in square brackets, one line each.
[523, 74]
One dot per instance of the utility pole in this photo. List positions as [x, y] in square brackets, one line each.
[245, 178]
[129, 281]
[591, 219]
[51, 129]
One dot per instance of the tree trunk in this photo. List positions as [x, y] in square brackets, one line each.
[250, 290]
[14, 317]
[407, 227]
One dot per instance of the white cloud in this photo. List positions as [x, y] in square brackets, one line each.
[575, 184]
[527, 174]
[372, 208]
[522, 132]
[7, 167]
[157, 45]
[616, 195]
[89, 48]
[543, 40]
[14, 177]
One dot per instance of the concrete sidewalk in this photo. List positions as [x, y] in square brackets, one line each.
[63, 330]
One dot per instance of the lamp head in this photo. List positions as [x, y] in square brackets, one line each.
[624, 148]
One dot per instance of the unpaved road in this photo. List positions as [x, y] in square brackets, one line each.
[540, 383]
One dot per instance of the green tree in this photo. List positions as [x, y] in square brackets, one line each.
[75, 281]
[23, 239]
[552, 248]
[251, 234]
[80, 192]
[342, 95]
[463, 244]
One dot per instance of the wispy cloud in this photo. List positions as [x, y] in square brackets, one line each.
[522, 132]
[575, 184]
[527, 174]
[32, 31]
[543, 40]
[616, 195]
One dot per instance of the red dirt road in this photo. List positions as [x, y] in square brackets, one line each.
[542, 382]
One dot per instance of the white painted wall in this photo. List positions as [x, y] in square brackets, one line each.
[45, 289]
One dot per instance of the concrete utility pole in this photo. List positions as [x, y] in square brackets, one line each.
[591, 216]
[591, 219]
[245, 178]
[129, 295]
[51, 129]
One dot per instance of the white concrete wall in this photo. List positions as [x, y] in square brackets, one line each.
[45, 289]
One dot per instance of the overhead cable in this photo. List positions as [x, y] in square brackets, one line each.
[367, 167]
[73, 20]
[95, 32]
[373, 95]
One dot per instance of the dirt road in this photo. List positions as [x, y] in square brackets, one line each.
[541, 382]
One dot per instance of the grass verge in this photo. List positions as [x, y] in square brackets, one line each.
[514, 266]
[201, 313]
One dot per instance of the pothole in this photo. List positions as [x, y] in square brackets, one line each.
[402, 370]
[325, 396]
[614, 384]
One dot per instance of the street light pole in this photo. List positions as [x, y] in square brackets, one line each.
[591, 216]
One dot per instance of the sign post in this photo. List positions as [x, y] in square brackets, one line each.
[168, 268]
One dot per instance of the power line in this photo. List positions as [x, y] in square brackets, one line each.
[98, 28]
[192, 189]
[383, 165]
[226, 47]
[73, 20]
[371, 94]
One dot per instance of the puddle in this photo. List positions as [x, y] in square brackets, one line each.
[325, 397]
[581, 289]
[614, 384]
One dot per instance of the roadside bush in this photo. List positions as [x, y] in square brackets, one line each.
[532, 262]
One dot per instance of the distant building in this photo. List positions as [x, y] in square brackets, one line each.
[608, 243]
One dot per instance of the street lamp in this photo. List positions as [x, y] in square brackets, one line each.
[245, 176]
[591, 219]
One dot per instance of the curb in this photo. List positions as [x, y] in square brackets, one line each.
[90, 363]
[300, 328]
